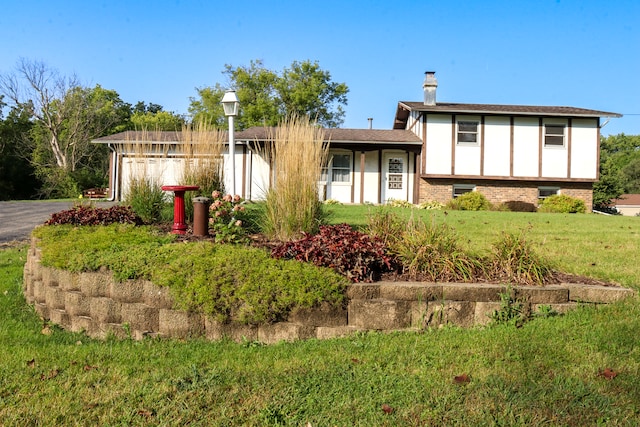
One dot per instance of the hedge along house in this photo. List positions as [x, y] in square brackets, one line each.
[365, 165]
[510, 153]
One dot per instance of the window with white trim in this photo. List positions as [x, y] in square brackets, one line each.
[554, 135]
[460, 189]
[467, 132]
[338, 169]
[544, 192]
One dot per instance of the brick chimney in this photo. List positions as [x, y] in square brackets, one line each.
[429, 85]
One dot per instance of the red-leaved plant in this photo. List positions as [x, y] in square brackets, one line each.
[89, 215]
[356, 255]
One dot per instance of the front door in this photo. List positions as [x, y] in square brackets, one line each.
[395, 185]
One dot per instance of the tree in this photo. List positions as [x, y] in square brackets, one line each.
[66, 117]
[619, 155]
[267, 97]
[17, 177]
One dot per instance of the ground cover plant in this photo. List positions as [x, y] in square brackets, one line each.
[578, 369]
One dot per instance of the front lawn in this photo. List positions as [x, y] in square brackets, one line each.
[578, 369]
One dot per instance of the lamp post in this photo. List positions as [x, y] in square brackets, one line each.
[230, 104]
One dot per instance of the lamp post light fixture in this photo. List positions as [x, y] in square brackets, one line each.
[230, 104]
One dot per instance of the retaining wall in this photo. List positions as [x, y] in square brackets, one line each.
[96, 304]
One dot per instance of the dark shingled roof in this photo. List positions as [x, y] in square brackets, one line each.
[442, 107]
[371, 136]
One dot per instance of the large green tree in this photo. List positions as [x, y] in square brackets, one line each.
[267, 97]
[619, 168]
[17, 176]
[152, 117]
[66, 116]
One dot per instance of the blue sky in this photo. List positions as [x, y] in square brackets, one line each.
[571, 53]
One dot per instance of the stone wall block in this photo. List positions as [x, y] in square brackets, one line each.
[542, 295]
[598, 294]
[180, 324]
[55, 297]
[105, 310]
[140, 317]
[50, 276]
[411, 291]
[42, 310]
[216, 331]
[157, 296]
[379, 314]
[83, 324]
[77, 304]
[418, 311]
[60, 317]
[130, 291]
[460, 313]
[325, 315]
[472, 292]
[95, 284]
[69, 281]
[39, 291]
[363, 291]
[484, 310]
[284, 331]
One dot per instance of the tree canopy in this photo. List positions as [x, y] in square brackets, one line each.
[619, 168]
[267, 97]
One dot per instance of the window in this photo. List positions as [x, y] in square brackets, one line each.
[338, 170]
[460, 189]
[396, 167]
[554, 135]
[467, 133]
[544, 192]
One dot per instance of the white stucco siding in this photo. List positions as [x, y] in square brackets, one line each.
[555, 160]
[159, 170]
[438, 147]
[497, 146]
[584, 148]
[525, 147]
[414, 124]
[467, 160]
[257, 176]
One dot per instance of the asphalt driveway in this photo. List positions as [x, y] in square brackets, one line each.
[17, 219]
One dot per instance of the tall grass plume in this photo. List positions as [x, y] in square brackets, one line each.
[297, 152]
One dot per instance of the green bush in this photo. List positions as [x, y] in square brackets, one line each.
[561, 203]
[431, 252]
[147, 199]
[471, 201]
[515, 261]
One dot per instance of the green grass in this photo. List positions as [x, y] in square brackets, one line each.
[547, 372]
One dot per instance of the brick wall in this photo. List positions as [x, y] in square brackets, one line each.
[497, 191]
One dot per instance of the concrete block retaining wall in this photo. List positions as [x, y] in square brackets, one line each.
[96, 304]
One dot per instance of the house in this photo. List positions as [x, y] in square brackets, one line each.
[510, 153]
[513, 154]
[365, 165]
[627, 204]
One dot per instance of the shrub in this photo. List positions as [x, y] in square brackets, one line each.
[246, 285]
[471, 201]
[515, 261]
[518, 206]
[146, 198]
[394, 203]
[226, 218]
[431, 204]
[351, 253]
[385, 225]
[431, 252]
[89, 215]
[561, 203]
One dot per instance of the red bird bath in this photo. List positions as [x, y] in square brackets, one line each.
[179, 224]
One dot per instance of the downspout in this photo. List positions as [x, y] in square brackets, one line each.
[114, 173]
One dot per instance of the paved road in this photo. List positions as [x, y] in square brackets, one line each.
[17, 219]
